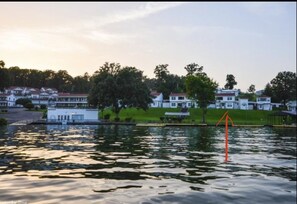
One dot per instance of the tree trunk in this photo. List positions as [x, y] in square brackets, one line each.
[204, 110]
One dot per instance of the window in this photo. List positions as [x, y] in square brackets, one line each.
[172, 97]
[219, 98]
[189, 104]
[229, 105]
[181, 98]
[173, 104]
[229, 98]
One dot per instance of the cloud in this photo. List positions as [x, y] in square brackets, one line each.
[121, 16]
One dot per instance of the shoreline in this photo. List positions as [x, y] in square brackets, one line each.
[156, 124]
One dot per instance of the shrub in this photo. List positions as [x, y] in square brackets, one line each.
[107, 116]
[117, 119]
[29, 106]
[3, 121]
[128, 119]
[42, 106]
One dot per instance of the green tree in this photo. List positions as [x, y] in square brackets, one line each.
[283, 87]
[23, 101]
[116, 87]
[230, 81]
[201, 88]
[29, 106]
[193, 68]
[252, 88]
[81, 84]
[161, 72]
[2, 64]
[4, 76]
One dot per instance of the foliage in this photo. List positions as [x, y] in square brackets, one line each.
[201, 88]
[3, 121]
[116, 87]
[167, 83]
[29, 106]
[193, 68]
[252, 88]
[230, 81]
[106, 116]
[42, 106]
[23, 101]
[283, 87]
[250, 96]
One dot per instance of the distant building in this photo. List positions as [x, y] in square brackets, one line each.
[291, 106]
[180, 100]
[225, 100]
[157, 99]
[72, 100]
[72, 115]
[264, 103]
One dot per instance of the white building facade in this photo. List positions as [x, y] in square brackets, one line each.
[72, 115]
[264, 103]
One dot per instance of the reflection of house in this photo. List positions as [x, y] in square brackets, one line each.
[291, 106]
[264, 103]
[180, 100]
[72, 100]
[72, 115]
[157, 99]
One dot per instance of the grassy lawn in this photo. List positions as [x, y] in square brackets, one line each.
[240, 117]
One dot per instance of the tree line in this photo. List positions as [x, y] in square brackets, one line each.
[281, 89]
[61, 80]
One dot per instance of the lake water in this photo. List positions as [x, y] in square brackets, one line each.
[128, 164]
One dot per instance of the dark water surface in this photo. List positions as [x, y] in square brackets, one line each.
[128, 164]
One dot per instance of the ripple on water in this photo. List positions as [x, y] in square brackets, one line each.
[116, 164]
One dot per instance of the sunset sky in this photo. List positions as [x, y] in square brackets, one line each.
[253, 41]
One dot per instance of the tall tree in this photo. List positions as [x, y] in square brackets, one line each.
[230, 81]
[193, 68]
[201, 88]
[283, 87]
[119, 88]
[2, 64]
[252, 88]
[4, 76]
[161, 72]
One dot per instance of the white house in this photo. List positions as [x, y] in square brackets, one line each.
[225, 101]
[243, 104]
[291, 106]
[72, 115]
[157, 99]
[180, 100]
[3, 100]
[264, 103]
[72, 100]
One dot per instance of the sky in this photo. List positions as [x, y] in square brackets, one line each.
[254, 41]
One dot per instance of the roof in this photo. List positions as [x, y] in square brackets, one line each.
[225, 94]
[178, 94]
[155, 93]
[72, 95]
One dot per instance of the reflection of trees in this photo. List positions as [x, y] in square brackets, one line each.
[201, 151]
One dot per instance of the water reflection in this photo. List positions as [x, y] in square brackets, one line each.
[157, 161]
